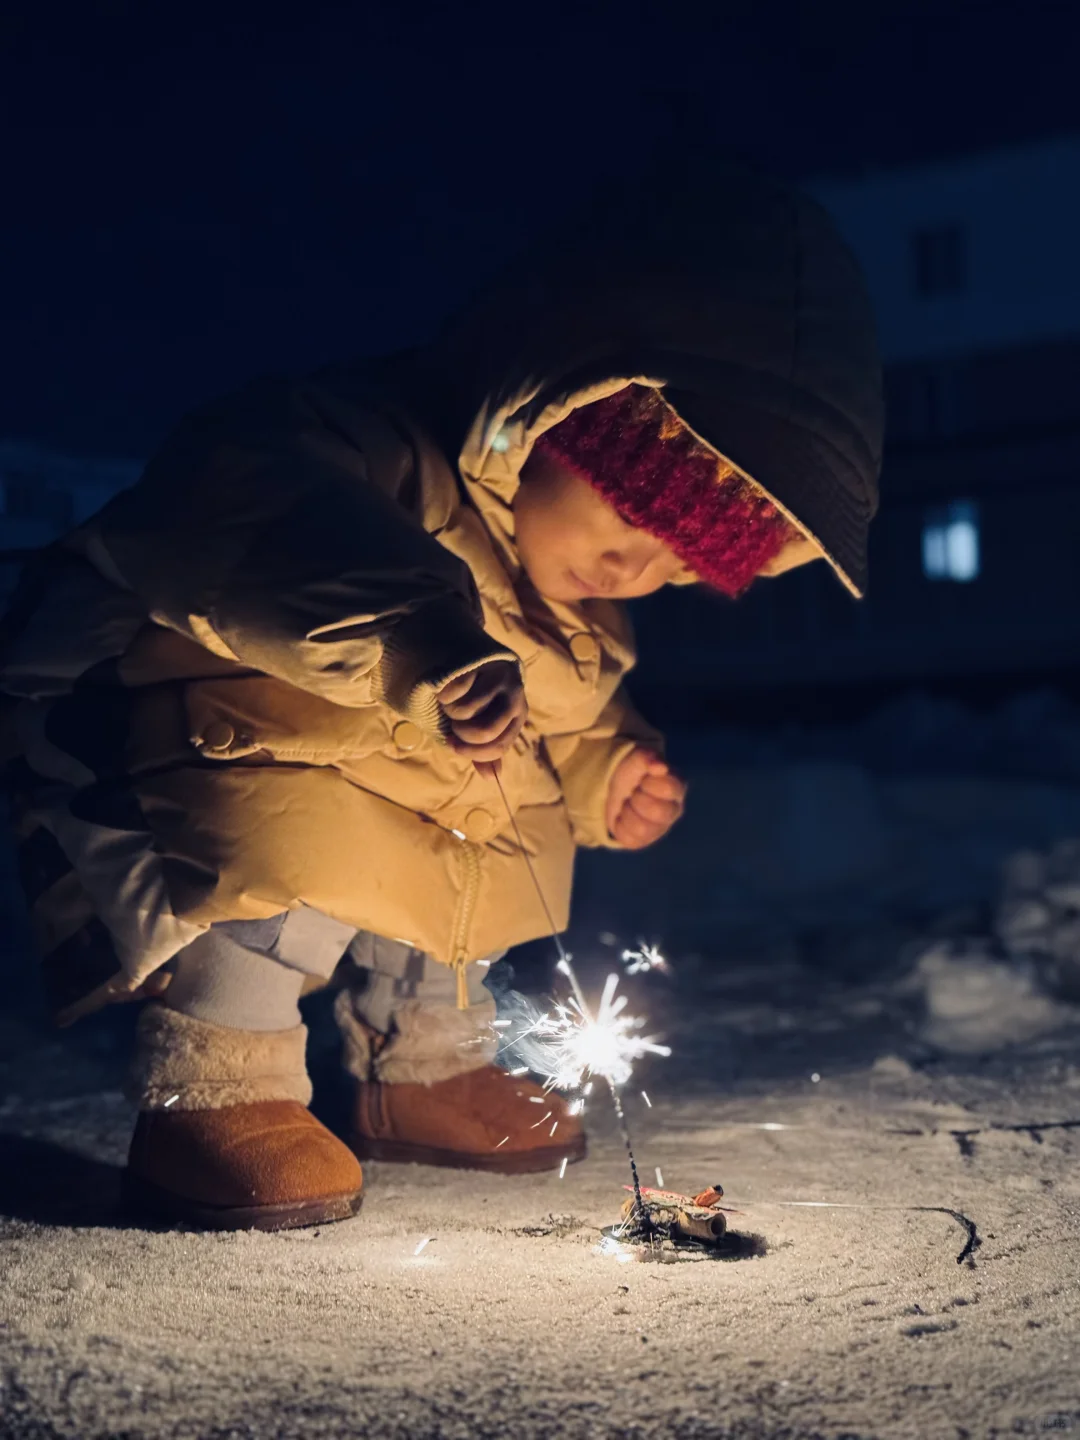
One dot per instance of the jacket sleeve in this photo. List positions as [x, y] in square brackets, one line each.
[586, 761]
[280, 529]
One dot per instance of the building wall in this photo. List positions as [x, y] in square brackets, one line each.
[1015, 217]
[1010, 449]
[982, 381]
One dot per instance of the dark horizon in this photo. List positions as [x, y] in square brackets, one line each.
[189, 205]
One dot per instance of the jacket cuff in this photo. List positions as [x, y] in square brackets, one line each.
[428, 649]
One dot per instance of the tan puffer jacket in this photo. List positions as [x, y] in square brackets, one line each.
[226, 680]
[268, 744]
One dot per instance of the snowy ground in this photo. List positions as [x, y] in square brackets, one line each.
[855, 1322]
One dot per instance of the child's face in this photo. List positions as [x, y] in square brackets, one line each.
[575, 546]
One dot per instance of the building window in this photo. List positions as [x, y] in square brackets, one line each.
[939, 261]
[950, 542]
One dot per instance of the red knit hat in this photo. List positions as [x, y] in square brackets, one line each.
[635, 451]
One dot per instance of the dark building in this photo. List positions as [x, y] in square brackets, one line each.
[975, 586]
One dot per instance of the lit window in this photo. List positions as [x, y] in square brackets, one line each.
[950, 542]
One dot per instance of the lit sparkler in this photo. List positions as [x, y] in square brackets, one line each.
[571, 1045]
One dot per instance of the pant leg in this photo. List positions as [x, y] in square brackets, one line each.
[400, 1018]
[394, 973]
[249, 974]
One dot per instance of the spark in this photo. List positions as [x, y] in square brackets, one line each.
[521, 1070]
[501, 1024]
[610, 1246]
[562, 1167]
[171, 1101]
[576, 1107]
[426, 1241]
[536, 1100]
[502, 1142]
[645, 1097]
[570, 1044]
[553, 1128]
[659, 1177]
[542, 1119]
[644, 959]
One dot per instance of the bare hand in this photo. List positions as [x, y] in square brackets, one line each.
[486, 709]
[644, 800]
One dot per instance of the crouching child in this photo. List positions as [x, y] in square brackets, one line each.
[256, 699]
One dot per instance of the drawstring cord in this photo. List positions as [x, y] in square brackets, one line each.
[462, 984]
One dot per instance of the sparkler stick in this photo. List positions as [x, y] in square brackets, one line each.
[641, 1215]
[565, 966]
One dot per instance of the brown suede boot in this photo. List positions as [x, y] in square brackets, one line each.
[268, 1165]
[481, 1120]
[225, 1139]
[428, 1094]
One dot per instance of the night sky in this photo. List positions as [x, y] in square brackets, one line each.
[189, 200]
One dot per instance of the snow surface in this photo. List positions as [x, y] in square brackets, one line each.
[857, 1321]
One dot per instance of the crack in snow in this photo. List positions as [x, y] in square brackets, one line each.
[974, 1239]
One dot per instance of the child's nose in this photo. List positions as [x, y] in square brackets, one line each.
[622, 567]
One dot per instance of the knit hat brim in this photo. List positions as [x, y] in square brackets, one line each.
[814, 484]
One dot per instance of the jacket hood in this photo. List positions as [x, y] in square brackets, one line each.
[730, 292]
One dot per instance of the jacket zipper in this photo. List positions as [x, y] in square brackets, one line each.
[469, 893]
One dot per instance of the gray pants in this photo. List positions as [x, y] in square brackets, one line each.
[249, 974]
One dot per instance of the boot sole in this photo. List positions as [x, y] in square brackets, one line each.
[516, 1162]
[145, 1199]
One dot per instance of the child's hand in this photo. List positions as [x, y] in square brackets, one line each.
[486, 709]
[644, 800]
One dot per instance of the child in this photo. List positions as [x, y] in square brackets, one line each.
[258, 695]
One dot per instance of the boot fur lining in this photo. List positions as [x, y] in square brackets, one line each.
[206, 1067]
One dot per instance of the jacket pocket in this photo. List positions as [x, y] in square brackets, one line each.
[230, 719]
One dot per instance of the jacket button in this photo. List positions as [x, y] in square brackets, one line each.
[407, 736]
[584, 648]
[217, 737]
[479, 825]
